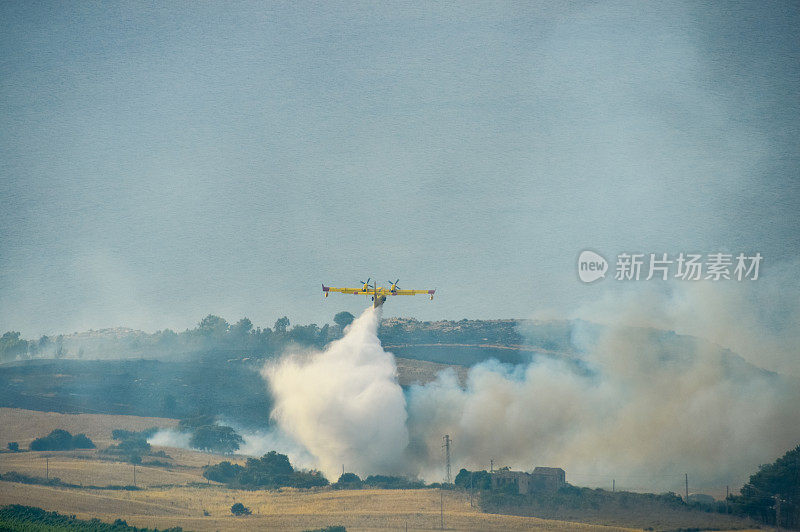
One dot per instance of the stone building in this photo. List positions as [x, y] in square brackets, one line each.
[542, 479]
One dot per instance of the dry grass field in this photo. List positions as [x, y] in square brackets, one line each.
[284, 510]
[176, 496]
[24, 426]
[90, 468]
[179, 496]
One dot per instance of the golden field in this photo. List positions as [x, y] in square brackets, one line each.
[89, 468]
[24, 426]
[282, 510]
[178, 495]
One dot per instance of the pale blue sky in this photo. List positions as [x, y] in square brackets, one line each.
[163, 161]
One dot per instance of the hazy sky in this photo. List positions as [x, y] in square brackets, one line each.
[162, 161]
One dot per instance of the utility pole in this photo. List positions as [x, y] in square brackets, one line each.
[47, 468]
[687, 487]
[134, 475]
[491, 465]
[777, 511]
[727, 494]
[446, 446]
[613, 485]
[441, 508]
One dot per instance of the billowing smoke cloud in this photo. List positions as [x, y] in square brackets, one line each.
[644, 404]
[646, 407]
[344, 404]
[759, 320]
[640, 404]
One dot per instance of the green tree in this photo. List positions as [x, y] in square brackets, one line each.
[223, 472]
[82, 441]
[273, 470]
[12, 346]
[778, 479]
[343, 319]
[349, 481]
[304, 334]
[281, 325]
[61, 440]
[216, 438]
[45, 343]
[478, 480]
[57, 440]
[242, 327]
[241, 332]
[213, 326]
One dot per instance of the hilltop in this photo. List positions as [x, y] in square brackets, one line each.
[214, 368]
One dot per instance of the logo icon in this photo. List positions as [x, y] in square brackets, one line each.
[591, 266]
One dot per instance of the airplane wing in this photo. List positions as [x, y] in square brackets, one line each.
[409, 292]
[355, 291]
[380, 291]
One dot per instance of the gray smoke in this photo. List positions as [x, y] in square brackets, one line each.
[643, 404]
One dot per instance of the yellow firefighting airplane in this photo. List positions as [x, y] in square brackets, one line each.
[378, 293]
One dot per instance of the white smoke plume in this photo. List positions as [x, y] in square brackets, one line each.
[344, 404]
[170, 438]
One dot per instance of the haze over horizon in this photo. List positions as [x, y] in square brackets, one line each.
[163, 162]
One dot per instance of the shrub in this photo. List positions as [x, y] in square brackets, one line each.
[61, 440]
[18, 517]
[240, 509]
[390, 483]
[272, 470]
[132, 449]
[348, 481]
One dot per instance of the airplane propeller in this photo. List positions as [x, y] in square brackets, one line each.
[394, 284]
[362, 282]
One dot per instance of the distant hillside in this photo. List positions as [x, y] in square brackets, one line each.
[214, 336]
[468, 342]
[214, 369]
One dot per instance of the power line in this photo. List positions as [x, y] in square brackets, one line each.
[446, 447]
